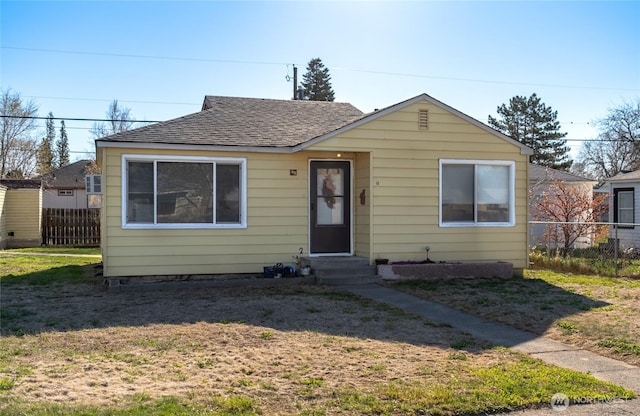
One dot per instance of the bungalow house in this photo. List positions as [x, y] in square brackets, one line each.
[65, 187]
[541, 183]
[246, 183]
[624, 190]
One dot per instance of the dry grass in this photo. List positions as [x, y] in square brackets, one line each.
[82, 344]
[600, 314]
[270, 350]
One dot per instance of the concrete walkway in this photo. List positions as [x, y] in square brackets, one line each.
[550, 351]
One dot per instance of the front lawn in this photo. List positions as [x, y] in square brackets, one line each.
[68, 346]
[597, 313]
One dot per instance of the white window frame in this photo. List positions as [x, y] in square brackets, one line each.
[619, 209]
[241, 162]
[65, 192]
[93, 184]
[512, 180]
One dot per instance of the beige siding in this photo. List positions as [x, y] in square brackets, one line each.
[405, 187]
[362, 211]
[3, 218]
[394, 163]
[277, 223]
[23, 208]
[78, 200]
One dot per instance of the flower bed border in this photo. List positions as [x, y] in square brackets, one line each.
[445, 271]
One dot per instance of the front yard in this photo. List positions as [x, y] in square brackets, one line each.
[68, 346]
[601, 314]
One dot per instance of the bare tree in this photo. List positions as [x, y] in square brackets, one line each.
[18, 150]
[120, 119]
[618, 145]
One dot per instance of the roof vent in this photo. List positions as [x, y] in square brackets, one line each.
[423, 119]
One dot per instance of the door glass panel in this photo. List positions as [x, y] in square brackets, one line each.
[625, 207]
[330, 201]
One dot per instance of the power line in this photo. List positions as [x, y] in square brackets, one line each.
[156, 121]
[532, 84]
[366, 71]
[125, 55]
[109, 100]
[78, 119]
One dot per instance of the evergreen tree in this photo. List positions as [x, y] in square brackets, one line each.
[316, 82]
[46, 158]
[62, 147]
[532, 123]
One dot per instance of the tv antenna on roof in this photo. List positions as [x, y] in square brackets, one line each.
[295, 82]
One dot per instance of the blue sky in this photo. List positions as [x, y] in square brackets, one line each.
[161, 58]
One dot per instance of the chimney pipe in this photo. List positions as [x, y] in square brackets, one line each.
[295, 82]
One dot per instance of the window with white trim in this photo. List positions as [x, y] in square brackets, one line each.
[623, 207]
[477, 192]
[183, 192]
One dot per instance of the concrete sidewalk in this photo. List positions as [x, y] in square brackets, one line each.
[550, 351]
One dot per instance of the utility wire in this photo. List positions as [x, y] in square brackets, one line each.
[125, 55]
[156, 121]
[400, 74]
[109, 100]
[79, 119]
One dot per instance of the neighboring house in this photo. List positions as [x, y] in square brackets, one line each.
[246, 183]
[3, 217]
[21, 213]
[624, 191]
[65, 187]
[540, 180]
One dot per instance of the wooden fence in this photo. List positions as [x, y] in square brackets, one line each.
[71, 227]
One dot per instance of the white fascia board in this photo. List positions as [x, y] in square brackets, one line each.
[167, 146]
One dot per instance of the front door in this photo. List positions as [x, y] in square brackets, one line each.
[330, 203]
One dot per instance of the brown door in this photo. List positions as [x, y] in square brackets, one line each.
[330, 203]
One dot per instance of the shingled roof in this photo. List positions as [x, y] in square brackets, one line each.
[625, 176]
[246, 122]
[21, 183]
[543, 174]
[70, 176]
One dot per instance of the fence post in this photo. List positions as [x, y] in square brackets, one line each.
[548, 241]
[615, 247]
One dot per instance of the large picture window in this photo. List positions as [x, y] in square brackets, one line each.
[183, 192]
[476, 193]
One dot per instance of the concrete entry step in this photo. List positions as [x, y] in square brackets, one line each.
[341, 270]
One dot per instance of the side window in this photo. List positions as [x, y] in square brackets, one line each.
[476, 193]
[623, 207]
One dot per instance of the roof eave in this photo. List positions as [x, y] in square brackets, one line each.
[174, 146]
